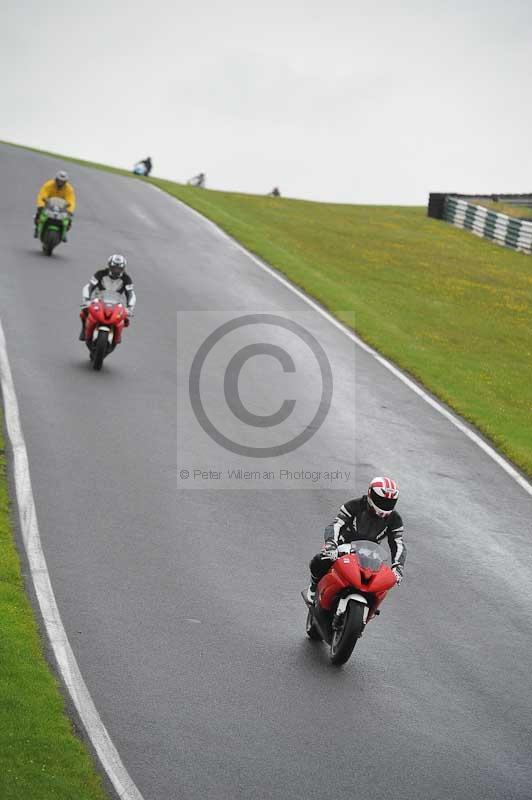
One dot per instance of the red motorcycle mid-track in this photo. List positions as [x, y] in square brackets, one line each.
[106, 317]
[348, 597]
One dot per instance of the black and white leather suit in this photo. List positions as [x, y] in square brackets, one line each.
[102, 280]
[356, 521]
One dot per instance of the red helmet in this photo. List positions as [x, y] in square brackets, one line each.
[382, 496]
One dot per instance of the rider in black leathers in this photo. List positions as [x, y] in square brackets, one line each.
[147, 163]
[371, 517]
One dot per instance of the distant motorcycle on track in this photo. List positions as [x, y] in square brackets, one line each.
[348, 597]
[106, 317]
[143, 167]
[53, 224]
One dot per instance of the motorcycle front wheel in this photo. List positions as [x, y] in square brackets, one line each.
[345, 638]
[50, 239]
[99, 350]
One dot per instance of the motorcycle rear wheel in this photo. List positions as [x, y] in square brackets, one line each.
[345, 638]
[99, 350]
[50, 240]
[310, 628]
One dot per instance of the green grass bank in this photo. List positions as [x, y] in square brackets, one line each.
[40, 756]
[452, 310]
[521, 212]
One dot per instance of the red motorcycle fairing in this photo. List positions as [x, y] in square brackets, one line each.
[112, 315]
[346, 573]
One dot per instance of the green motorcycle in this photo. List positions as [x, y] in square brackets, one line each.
[53, 223]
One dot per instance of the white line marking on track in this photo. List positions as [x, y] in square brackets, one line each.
[453, 419]
[70, 673]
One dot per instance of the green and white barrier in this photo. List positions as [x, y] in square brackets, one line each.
[507, 231]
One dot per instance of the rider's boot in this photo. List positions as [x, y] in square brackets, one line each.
[36, 219]
[83, 314]
[310, 594]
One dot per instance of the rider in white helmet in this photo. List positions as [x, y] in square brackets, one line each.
[114, 278]
[372, 517]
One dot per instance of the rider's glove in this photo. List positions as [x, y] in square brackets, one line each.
[330, 551]
[398, 572]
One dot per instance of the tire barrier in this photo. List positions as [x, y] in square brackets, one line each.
[500, 228]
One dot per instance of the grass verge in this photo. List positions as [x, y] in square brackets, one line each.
[40, 756]
[521, 212]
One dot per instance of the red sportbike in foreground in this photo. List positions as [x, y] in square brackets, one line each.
[348, 597]
[106, 318]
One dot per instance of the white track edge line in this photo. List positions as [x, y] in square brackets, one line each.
[68, 667]
[455, 420]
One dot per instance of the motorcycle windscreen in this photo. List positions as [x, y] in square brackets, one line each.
[108, 297]
[370, 555]
[56, 204]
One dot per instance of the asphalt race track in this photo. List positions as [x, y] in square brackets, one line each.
[180, 597]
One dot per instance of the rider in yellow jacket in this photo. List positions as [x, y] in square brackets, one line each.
[56, 187]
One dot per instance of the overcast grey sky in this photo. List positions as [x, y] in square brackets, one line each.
[364, 102]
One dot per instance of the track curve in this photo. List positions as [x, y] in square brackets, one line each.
[196, 656]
